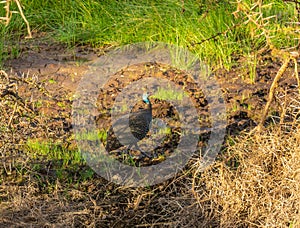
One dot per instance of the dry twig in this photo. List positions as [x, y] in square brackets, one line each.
[292, 56]
[9, 13]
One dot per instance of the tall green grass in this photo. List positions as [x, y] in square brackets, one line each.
[113, 23]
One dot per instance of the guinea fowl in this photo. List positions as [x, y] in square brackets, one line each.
[131, 128]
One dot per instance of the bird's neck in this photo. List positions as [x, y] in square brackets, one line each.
[150, 106]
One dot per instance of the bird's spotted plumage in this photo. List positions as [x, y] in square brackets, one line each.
[126, 132]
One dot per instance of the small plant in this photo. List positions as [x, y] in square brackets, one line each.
[252, 63]
[92, 136]
[52, 81]
[235, 107]
[169, 94]
[250, 107]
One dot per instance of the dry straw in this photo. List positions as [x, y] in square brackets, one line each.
[257, 183]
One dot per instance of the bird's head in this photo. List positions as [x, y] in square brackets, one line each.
[146, 98]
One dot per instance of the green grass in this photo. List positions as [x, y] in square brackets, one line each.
[68, 164]
[169, 93]
[92, 136]
[113, 23]
[53, 151]
[165, 131]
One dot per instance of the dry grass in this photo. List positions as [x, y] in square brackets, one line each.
[263, 190]
[256, 185]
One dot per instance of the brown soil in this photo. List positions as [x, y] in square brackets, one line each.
[60, 69]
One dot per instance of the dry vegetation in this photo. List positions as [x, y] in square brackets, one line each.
[263, 189]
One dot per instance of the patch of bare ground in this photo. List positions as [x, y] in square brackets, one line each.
[254, 182]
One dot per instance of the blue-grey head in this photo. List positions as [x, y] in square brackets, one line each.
[146, 98]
